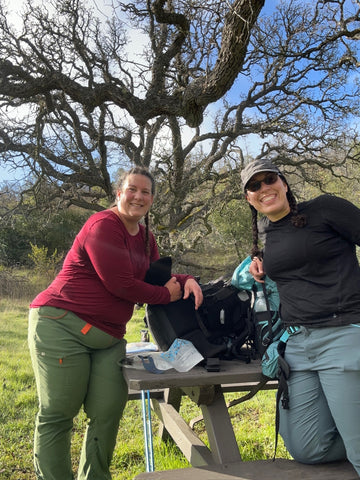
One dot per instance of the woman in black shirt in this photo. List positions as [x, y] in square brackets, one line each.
[310, 252]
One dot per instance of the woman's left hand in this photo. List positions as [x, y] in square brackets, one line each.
[192, 286]
[257, 269]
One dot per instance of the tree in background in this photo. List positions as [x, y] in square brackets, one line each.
[50, 228]
[179, 86]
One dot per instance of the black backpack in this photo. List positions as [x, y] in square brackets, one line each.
[226, 325]
[220, 328]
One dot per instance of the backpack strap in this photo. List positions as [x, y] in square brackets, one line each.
[202, 324]
[212, 364]
[283, 389]
[270, 330]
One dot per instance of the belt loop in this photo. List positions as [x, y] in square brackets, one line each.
[86, 328]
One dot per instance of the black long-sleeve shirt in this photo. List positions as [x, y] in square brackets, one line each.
[315, 267]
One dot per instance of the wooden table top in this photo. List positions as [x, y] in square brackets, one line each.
[234, 371]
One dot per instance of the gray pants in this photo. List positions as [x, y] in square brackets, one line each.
[74, 366]
[323, 422]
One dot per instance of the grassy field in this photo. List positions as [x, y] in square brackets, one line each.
[253, 421]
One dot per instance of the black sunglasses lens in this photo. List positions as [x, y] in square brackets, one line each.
[269, 179]
[254, 186]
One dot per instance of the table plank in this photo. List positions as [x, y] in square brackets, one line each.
[231, 372]
[220, 432]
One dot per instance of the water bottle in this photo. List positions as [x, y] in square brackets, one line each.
[260, 303]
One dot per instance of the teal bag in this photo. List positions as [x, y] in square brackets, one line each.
[243, 280]
[268, 327]
[269, 361]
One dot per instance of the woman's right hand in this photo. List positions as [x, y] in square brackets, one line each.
[174, 288]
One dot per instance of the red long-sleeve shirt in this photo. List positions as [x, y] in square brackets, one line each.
[102, 275]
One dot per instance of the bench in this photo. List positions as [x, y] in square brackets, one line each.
[281, 469]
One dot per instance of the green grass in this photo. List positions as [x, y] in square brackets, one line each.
[253, 420]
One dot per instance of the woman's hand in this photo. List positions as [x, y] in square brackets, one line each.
[192, 286]
[257, 269]
[174, 288]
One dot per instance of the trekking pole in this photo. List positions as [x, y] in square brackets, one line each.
[147, 425]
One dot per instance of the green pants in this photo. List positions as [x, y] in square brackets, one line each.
[74, 366]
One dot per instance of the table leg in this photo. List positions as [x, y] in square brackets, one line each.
[172, 396]
[196, 452]
[223, 445]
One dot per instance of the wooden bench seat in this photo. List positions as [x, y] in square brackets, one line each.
[281, 469]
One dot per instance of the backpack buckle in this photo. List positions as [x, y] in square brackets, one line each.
[212, 364]
[293, 330]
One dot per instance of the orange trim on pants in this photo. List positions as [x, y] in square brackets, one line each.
[86, 328]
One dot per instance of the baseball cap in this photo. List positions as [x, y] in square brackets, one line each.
[257, 166]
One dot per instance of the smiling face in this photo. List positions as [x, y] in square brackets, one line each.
[271, 199]
[135, 197]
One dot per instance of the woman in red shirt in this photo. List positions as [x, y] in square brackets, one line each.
[77, 327]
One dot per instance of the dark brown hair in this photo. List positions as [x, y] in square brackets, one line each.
[298, 220]
[119, 184]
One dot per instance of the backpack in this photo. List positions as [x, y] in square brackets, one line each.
[265, 317]
[270, 334]
[237, 319]
[220, 328]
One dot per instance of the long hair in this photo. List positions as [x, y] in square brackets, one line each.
[297, 219]
[119, 184]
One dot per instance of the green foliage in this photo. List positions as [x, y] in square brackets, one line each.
[14, 245]
[233, 223]
[17, 398]
[16, 284]
[57, 230]
[54, 230]
[44, 264]
[208, 247]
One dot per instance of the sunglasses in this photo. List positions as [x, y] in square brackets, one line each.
[269, 179]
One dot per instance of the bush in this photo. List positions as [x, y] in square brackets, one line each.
[16, 285]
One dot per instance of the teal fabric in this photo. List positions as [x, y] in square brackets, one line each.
[243, 280]
[323, 422]
[74, 369]
[269, 361]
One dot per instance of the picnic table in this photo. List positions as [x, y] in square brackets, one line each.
[207, 390]
[222, 461]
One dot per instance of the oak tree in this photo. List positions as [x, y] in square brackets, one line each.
[181, 86]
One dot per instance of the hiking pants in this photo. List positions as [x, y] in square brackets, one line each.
[323, 422]
[74, 366]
